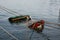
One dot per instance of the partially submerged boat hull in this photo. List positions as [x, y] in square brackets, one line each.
[19, 18]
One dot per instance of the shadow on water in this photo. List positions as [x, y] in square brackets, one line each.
[41, 34]
[59, 16]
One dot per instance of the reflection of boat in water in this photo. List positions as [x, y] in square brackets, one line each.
[21, 18]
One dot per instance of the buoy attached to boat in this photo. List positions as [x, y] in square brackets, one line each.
[37, 26]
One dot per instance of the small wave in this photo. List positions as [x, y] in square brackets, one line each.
[2, 15]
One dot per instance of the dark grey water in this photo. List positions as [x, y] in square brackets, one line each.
[21, 31]
[37, 9]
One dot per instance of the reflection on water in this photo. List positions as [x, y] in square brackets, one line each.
[59, 16]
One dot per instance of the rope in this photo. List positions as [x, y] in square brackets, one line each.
[31, 35]
[17, 12]
[8, 33]
[48, 22]
[7, 10]
[52, 23]
[52, 26]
